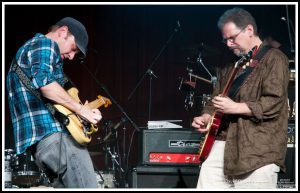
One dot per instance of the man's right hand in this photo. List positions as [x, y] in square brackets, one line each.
[92, 115]
[201, 122]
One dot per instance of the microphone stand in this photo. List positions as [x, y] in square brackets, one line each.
[111, 98]
[289, 31]
[106, 145]
[115, 163]
[150, 72]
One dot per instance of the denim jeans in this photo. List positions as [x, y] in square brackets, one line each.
[66, 163]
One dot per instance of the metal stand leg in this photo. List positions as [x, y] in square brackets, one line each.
[114, 160]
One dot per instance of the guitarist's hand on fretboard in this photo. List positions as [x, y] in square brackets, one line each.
[224, 104]
[227, 106]
[201, 122]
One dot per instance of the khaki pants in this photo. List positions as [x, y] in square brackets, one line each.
[212, 174]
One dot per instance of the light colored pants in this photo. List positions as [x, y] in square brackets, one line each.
[59, 153]
[212, 173]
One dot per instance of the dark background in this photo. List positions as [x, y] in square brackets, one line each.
[123, 42]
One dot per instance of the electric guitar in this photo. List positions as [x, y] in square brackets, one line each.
[81, 129]
[216, 118]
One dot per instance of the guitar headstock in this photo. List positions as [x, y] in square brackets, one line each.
[104, 100]
[245, 58]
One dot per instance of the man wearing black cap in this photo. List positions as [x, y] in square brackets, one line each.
[36, 78]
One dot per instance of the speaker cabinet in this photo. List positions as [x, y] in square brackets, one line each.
[287, 180]
[164, 177]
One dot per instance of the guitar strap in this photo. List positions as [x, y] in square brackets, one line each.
[26, 81]
[240, 79]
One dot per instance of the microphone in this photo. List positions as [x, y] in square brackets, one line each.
[114, 128]
[123, 120]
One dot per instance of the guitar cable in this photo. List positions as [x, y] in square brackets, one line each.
[59, 158]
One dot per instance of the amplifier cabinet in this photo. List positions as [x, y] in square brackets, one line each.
[169, 147]
[164, 177]
[287, 180]
[291, 135]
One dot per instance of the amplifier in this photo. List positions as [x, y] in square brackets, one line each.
[291, 135]
[169, 147]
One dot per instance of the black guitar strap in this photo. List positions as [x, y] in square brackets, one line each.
[240, 79]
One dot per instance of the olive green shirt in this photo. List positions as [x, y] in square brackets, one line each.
[253, 142]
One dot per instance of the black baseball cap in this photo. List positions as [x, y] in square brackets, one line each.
[78, 30]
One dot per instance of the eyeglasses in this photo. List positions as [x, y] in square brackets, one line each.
[232, 38]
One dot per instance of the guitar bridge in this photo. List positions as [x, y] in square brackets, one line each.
[87, 127]
[90, 128]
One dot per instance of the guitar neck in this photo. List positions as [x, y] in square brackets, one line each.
[99, 102]
[96, 103]
[229, 82]
[237, 67]
[92, 105]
